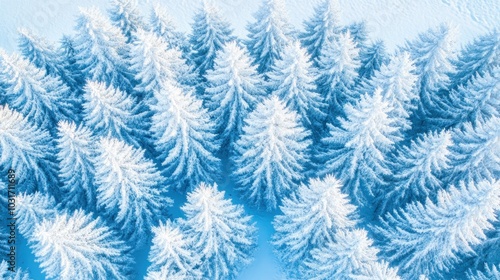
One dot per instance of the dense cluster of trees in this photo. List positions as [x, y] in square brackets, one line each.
[379, 165]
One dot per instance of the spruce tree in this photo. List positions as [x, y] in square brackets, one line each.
[271, 154]
[124, 15]
[372, 59]
[161, 24]
[32, 209]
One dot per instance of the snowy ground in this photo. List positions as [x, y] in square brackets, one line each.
[390, 20]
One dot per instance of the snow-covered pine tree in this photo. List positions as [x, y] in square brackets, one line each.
[45, 56]
[171, 254]
[477, 58]
[221, 233]
[271, 155]
[323, 27]
[350, 252]
[6, 274]
[372, 59]
[476, 101]
[358, 34]
[417, 170]
[125, 15]
[155, 64]
[292, 79]
[76, 246]
[397, 79]
[29, 151]
[357, 149]
[433, 54]
[110, 112]
[76, 150]
[268, 34]
[41, 98]
[430, 238]
[67, 56]
[476, 150]
[311, 216]
[161, 24]
[130, 190]
[338, 66]
[210, 33]
[101, 51]
[184, 138]
[377, 271]
[490, 273]
[32, 209]
[234, 88]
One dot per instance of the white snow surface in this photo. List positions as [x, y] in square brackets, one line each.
[390, 20]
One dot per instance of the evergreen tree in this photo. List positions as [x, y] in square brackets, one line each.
[184, 139]
[161, 24]
[377, 271]
[110, 112]
[268, 34]
[432, 52]
[28, 150]
[397, 79]
[478, 100]
[349, 253]
[492, 272]
[311, 216]
[357, 149]
[67, 55]
[322, 28]
[171, 254]
[129, 188]
[32, 209]
[6, 274]
[292, 79]
[372, 59]
[221, 233]
[124, 14]
[477, 58]
[418, 169]
[475, 153]
[77, 246]
[41, 98]
[76, 150]
[234, 87]
[271, 154]
[338, 70]
[358, 34]
[101, 51]
[431, 238]
[210, 33]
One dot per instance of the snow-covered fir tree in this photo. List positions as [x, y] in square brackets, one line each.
[476, 101]
[125, 15]
[268, 34]
[222, 235]
[377, 271]
[76, 150]
[67, 55]
[418, 169]
[372, 59]
[433, 54]
[338, 66]
[171, 254]
[476, 150]
[130, 190]
[477, 58]
[6, 274]
[357, 149]
[491, 272]
[77, 246]
[29, 151]
[431, 238]
[101, 50]
[292, 79]
[359, 34]
[110, 112]
[210, 33]
[397, 79]
[184, 138]
[234, 87]
[161, 24]
[270, 157]
[41, 98]
[350, 252]
[322, 27]
[32, 209]
[311, 216]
